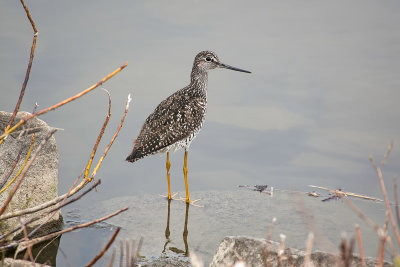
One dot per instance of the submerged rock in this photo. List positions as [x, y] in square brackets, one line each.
[251, 252]
[41, 181]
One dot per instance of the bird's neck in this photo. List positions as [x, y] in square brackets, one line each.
[198, 82]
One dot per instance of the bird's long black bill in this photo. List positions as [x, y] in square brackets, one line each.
[222, 65]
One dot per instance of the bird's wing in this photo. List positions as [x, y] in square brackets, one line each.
[174, 119]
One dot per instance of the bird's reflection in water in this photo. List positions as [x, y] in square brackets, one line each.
[185, 233]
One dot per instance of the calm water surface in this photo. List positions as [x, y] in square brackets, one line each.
[323, 96]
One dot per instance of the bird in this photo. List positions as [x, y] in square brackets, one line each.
[177, 120]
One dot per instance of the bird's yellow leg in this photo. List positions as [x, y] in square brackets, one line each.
[168, 165]
[185, 171]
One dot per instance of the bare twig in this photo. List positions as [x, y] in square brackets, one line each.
[79, 186]
[98, 256]
[383, 188]
[21, 178]
[382, 240]
[43, 111]
[12, 167]
[309, 243]
[87, 169]
[396, 198]
[26, 238]
[90, 160]
[23, 165]
[368, 221]
[362, 215]
[41, 206]
[281, 248]
[28, 69]
[339, 193]
[347, 252]
[360, 245]
[139, 247]
[389, 150]
[121, 255]
[132, 259]
[381, 251]
[28, 14]
[44, 247]
[50, 211]
[127, 253]
[267, 249]
[129, 99]
[63, 204]
[112, 258]
[32, 242]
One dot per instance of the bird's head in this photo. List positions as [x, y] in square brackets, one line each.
[207, 60]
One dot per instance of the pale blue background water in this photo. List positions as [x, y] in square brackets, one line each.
[323, 96]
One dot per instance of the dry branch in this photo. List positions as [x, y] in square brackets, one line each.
[44, 247]
[63, 204]
[23, 165]
[50, 211]
[112, 258]
[265, 253]
[388, 151]
[89, 164]
[383, 188]
[12, 167]
[75, 189]
[43, 111]
[121, 255]
[28, 69]
[396, 199]
[339, 193]
[346, 254]
[368, 221]
[360, 245]
[112, 139]
[29, 250]
[28, 14]
[23, 245]
[362, 215]
[21, 178]
[127, 253]
[25, 242]
[309, 244]
[98, 256]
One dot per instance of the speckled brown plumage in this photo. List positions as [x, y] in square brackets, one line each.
[177, 120]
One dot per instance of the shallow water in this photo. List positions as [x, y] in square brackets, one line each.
[238, 212]
[322, 97]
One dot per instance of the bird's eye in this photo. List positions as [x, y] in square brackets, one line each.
[208, 59]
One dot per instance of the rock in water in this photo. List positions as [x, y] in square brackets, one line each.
[41, 181]
[250, 251]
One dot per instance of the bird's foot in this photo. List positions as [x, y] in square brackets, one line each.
[191, 202]
[171, 197]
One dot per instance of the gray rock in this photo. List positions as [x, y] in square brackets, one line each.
[251, 252]
[41, 182]
[165, 262]
[20, 263]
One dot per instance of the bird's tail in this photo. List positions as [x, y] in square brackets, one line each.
[134, 156]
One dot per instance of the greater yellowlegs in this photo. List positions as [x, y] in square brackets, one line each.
[177, 120]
